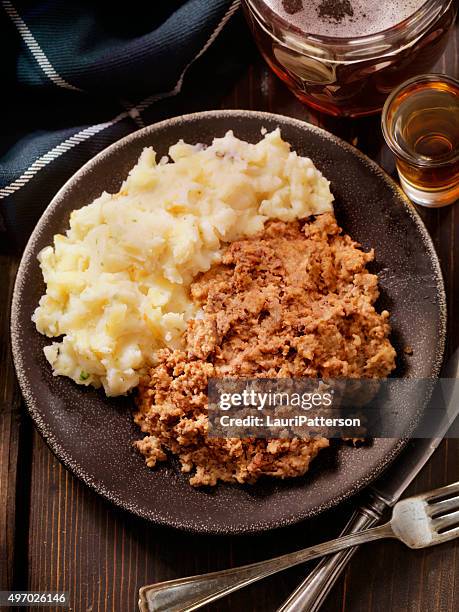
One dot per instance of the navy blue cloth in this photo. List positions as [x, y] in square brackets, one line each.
[79, 75]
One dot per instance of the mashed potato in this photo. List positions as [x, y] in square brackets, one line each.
[117, 283]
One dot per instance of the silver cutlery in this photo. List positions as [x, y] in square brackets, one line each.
[383, 494]
[379, 497]
[421, 521]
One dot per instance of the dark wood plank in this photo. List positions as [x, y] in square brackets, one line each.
[14, 432]
[8, 435]
[79, 543]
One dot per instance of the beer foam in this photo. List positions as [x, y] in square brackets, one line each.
[344, 18]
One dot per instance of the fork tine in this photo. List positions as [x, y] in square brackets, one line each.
[450, 520]
[442, 507]
[439, 538]
[442, 492]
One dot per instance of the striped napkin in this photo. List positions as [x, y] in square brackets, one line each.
[80, 74]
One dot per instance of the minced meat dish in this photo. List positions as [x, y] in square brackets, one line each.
[295, 300]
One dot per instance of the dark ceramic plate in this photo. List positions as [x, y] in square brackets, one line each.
[93, 435]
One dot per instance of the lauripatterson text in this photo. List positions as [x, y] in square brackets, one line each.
[295, 421]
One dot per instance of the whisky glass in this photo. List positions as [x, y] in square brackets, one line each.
[420, 123]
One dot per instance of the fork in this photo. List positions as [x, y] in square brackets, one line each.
[421, 521]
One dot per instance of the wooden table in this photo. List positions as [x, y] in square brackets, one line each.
[55, 534]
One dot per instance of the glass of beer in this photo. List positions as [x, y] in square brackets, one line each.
[344, 57]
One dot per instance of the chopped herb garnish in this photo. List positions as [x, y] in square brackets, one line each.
[84, 375]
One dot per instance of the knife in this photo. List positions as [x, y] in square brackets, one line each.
[383, 494]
